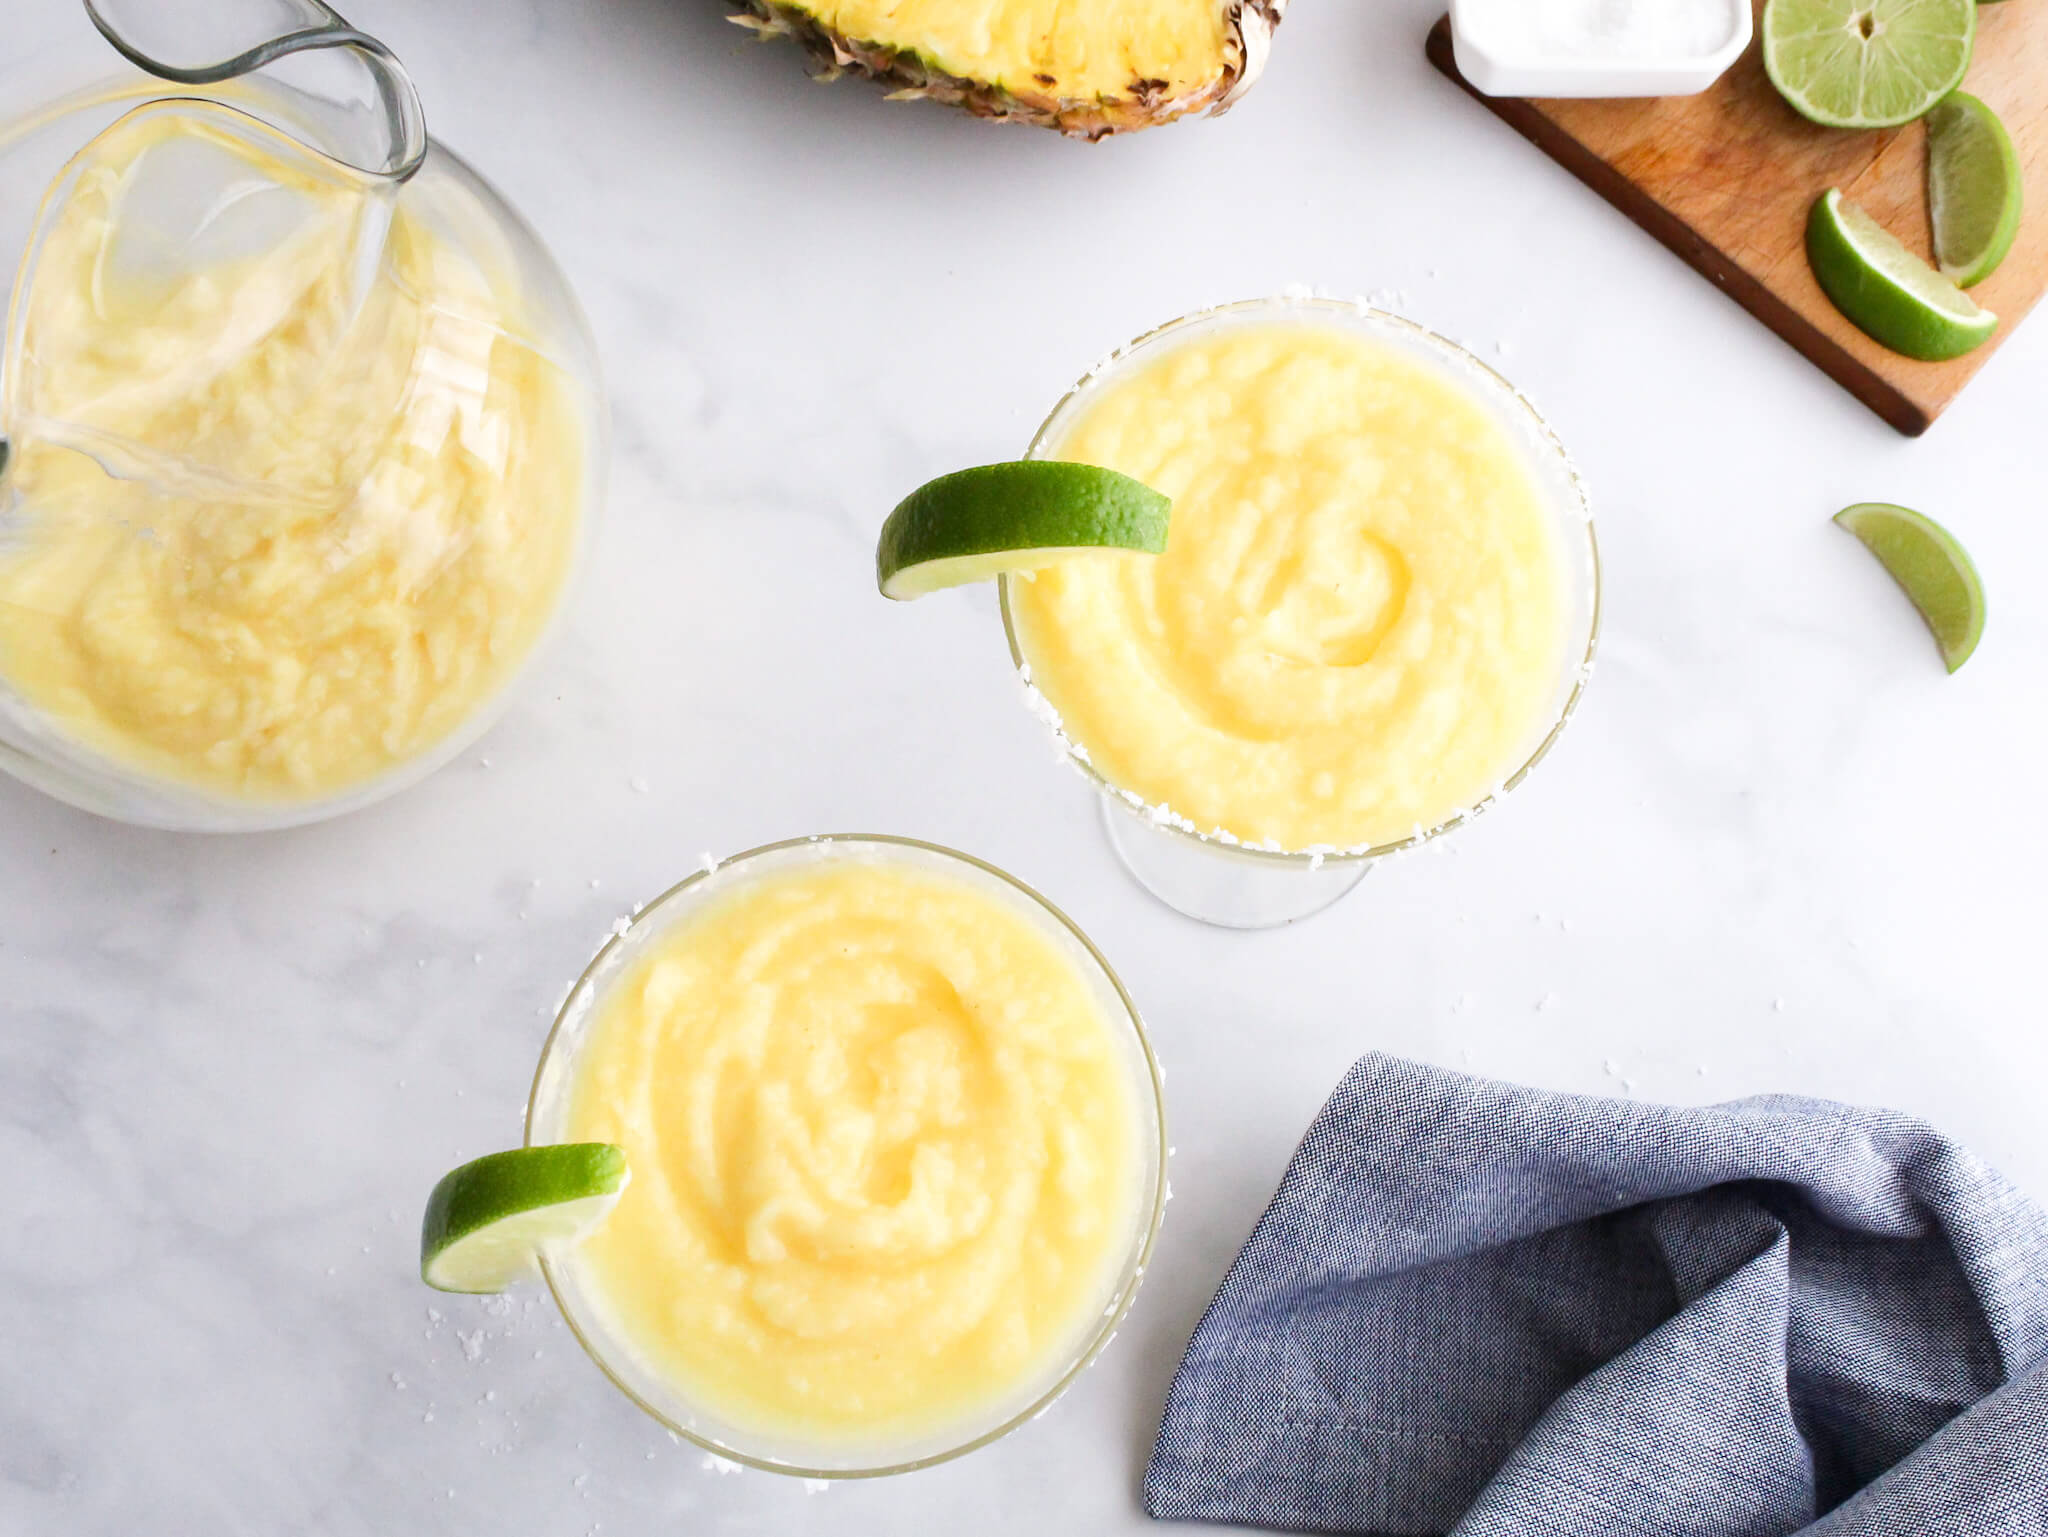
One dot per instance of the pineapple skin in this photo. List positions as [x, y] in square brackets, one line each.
[1248, 24]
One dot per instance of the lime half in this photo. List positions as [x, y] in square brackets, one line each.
[487, 1221]
[1888, 292]
[1973, 188]
[974, 524]
[1934, 570]
[1867, 63]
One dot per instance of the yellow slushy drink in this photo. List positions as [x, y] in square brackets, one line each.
[1359, 624]
[889, 1150]
[286, 511]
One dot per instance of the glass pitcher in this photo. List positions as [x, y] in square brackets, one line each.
[301, 434]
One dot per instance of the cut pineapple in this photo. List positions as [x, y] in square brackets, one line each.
[1086, 67]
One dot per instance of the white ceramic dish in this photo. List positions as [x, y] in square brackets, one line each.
[1499, 64]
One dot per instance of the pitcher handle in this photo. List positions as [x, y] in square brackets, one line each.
[210, 42]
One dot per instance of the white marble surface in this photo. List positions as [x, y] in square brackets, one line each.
[1779, 849]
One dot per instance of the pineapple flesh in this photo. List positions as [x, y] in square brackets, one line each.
[1086, 67]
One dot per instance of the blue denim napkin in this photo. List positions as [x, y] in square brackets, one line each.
[1491, 1311]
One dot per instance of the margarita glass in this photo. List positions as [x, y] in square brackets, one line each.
[1195, 862]
[749, 1227]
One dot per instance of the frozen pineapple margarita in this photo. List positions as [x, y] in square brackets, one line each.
[1363, 622]
[894, 1139]
[289, 501]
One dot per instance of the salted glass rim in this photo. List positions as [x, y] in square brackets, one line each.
[1536, 430]
[593, 1335]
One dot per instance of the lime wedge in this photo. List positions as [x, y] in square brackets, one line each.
[1934, 570]
[974, 524]
[1867, 63]
[1973, 188]
[1888, 292]
[486, 1222]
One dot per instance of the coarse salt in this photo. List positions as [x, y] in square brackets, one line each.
[1628, 29]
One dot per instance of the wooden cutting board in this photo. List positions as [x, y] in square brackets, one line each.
[1725, 179]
